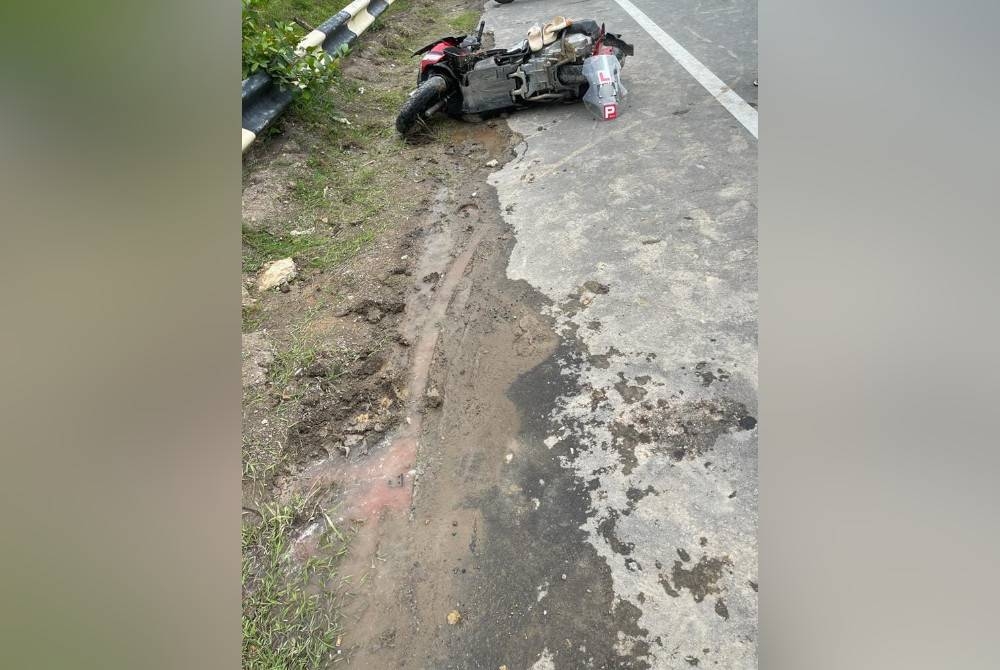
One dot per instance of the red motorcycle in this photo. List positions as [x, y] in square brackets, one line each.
[563, 60]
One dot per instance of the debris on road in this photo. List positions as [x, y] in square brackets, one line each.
[454, 617]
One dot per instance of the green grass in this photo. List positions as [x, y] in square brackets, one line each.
[261, 246]
[322, 251]
[261, 461]
[464, 23]
[313, 12]
[303, 350]
[287, 362]
[253, 317]
[290, 620]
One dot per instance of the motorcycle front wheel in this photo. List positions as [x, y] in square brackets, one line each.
[420, 102]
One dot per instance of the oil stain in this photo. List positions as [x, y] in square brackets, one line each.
[700, 580]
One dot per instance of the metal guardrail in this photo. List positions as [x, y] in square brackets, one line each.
[264, 101]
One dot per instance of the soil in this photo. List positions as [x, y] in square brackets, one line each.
[397, 420]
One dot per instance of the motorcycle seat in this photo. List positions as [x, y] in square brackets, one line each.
[519, 47]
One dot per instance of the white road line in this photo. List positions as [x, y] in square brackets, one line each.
[736, 105]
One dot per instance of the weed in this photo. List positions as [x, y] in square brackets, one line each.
[465, 22]
[290, 618]
[261, 246]
[290, 361]
[260, 463]
[253, 317]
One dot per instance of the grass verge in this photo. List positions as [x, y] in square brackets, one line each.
[335, 183]
[290, 619]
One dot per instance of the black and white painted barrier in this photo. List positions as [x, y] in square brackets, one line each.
[264, 101]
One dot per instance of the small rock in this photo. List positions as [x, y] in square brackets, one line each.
[454, 617]
[510, 457]
[493, 163]
[360, 424]
[432, 278]
[257, 357]
[275, 274]
[596, 287]
[374, 315]
[564, 577]
[245, 299]
[433, 397]
[317, 370]
[284, 287]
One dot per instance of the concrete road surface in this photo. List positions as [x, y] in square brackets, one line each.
[642, 234]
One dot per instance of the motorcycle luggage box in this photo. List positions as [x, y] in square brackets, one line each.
[487, 87]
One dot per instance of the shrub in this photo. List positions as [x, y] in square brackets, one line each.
[271, 47]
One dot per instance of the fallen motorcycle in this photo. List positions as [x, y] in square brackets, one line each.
[563, 60]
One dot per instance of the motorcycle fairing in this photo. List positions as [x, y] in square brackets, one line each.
[605, 94]
[452, 40]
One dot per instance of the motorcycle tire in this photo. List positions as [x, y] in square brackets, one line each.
[426, 96]
[503, 2]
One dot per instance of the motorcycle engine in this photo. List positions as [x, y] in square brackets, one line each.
[538, 77]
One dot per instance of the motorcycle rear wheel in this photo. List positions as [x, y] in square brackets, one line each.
[415, 108]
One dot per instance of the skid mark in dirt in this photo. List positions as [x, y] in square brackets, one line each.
[385, 481]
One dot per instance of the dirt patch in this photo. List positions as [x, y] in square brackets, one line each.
[339, 361]
[333, 188]
[700, 579]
